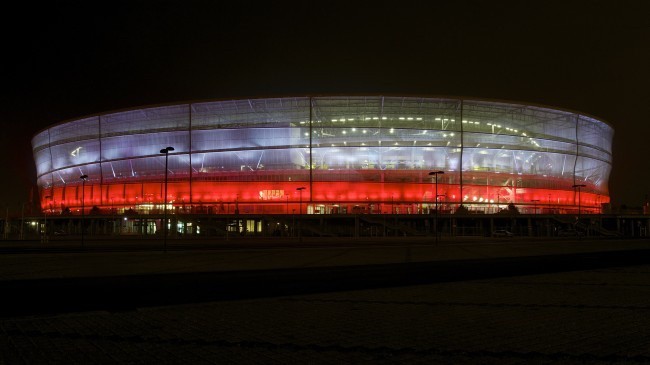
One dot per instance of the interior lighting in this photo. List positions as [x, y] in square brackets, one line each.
[375, 118]
[491, 200]
[306, 134]
[344, 132]
[451, 134]
[437, 119]
[392, 130]
[474, 198]
[364, 131]
[464, 121]
[418, 118]
[368, 118]
[354, 129]
[383, 118]
[401, 118]
[409, 118]
[335, 120]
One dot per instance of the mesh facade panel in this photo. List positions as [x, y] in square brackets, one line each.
[353, 149]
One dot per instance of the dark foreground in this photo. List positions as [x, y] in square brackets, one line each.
[584, 307]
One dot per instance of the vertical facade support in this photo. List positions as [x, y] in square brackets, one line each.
[311, 176]
[462, 146]
[101, 170]
[190, 153]
[49, 147]
[575, 162]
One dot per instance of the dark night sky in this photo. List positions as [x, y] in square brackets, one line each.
[67, 59]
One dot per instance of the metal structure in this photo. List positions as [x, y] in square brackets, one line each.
[355, 154]
[165, 151]
[83, 179]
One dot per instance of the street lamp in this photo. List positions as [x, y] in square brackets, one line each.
[165, 151]
[22, 220]
[44, 237]
[574, 187]
[300, 189]
[435, 225]
[83, 196]
[534, 201]
[578, 186]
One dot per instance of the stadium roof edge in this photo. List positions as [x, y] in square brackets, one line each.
[450, 97]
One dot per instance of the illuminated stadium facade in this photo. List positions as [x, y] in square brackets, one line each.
[352, 154]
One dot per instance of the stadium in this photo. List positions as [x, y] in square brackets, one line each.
[327, 155]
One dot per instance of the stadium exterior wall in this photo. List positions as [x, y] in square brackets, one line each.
[352, 154]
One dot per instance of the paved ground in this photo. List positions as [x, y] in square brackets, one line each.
[593, 316]
[65, 259]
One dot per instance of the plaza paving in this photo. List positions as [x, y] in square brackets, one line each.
[593, 316]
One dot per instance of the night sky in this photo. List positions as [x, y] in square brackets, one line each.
[65, 60]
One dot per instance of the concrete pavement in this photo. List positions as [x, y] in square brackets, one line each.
[494, 302]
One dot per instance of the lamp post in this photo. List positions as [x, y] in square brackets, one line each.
[435, 225]
[44, 237]
[165, 151]
[22, 220]
[578, 186]
[300, 189]
[6, 228]
[83, 196]
[534, 201]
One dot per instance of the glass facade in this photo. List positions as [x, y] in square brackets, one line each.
[352, 154]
